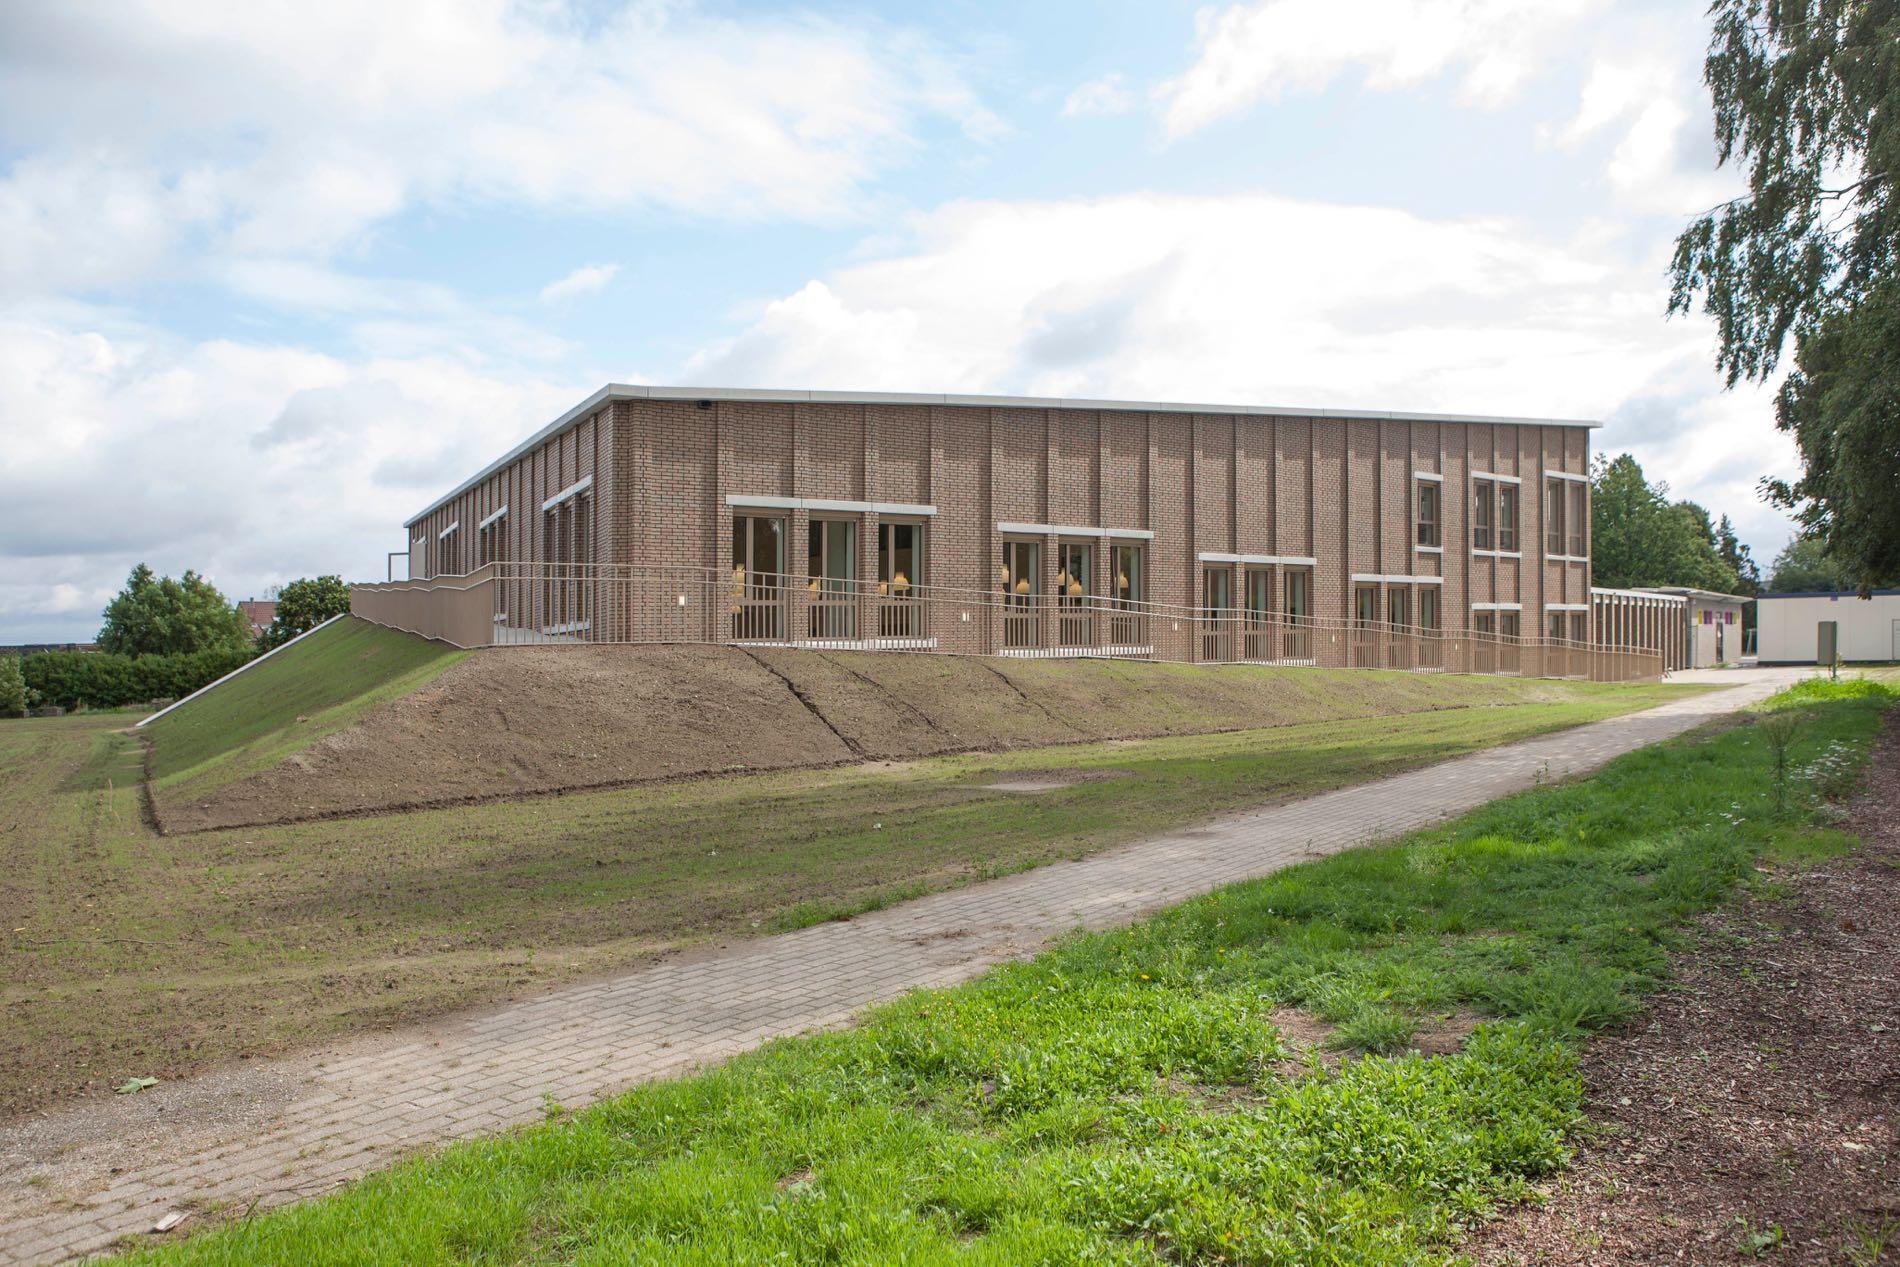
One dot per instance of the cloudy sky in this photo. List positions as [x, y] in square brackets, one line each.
[275, 275]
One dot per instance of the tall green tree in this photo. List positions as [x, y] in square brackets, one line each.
[1736, 555]
[1639, 537]
[302, 605]
[1807, 102]
[1803, 565]
[156, 615]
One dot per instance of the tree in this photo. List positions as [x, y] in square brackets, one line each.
[1736, 556]
[1638, 537]
[1807, 100]
[156, 615]
[15, 699]
[1803, 565]
[1842, 405]
[302, 605]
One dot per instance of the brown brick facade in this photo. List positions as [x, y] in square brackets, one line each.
[1259, 490]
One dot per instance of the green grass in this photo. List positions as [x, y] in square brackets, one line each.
[139, 954]
[1123, 1097]
[288, 702]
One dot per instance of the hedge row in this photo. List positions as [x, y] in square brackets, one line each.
[97, 679]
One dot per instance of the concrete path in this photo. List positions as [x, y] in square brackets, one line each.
[261, 1133]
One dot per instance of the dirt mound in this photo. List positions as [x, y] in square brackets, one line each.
[534, 720]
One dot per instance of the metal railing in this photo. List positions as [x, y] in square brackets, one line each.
[557, 604]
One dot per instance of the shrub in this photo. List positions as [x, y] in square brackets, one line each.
[15, 699]
[98, 679]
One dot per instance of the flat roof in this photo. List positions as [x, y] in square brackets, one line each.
[1690, 591]
[1855, 594]
[625, 391]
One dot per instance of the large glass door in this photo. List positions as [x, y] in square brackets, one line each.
[900, 573]
[758, 577]
[1075, 575]
[1297, 598]
[1022, 591]
[832, 564]
[1129, 622]
[1217, 625]
[1257, 631]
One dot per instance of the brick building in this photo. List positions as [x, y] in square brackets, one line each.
[1017, 524]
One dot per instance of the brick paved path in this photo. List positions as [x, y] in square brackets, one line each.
[74, 1181]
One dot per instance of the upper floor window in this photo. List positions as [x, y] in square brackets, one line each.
[1493, 515]
[1555, 506]
[1566, 517]
[1428, 516]
[1577, 521]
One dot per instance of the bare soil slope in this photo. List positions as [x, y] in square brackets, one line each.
[537, 720]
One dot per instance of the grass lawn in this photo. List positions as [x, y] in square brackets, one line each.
[288, 702]
[1127, 1098]
[129, 954]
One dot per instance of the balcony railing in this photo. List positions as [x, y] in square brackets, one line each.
[555, 604]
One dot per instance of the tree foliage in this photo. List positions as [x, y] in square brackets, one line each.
[15, 698]
[1638, 537]
[1807, 104]
[302, 605]
[156, 615]
[1842, 405]
[1803, 566]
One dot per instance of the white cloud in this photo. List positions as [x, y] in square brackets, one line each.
[251, 462]
[1660, 158]
[585, 280]
[1267, 49]
[1256, 299]
[288, 128]
[1107, 95]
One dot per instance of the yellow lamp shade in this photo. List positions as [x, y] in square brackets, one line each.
[1022, 586]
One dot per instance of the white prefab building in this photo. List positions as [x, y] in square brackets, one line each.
[1866, 629]
[1715, 624]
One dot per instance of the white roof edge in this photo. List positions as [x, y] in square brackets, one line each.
[630, 391]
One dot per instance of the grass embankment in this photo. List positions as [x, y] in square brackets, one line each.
[288, 702]
[143, 955]
[1124, 1098]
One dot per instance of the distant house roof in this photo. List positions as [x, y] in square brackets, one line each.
[260, 612]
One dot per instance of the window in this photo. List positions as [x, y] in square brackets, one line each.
[1428, 516]
[1484, 623]
[831, 563]
[832, 555]
[1577, 522]
[900, 556]
[1259, 596]
[1366, 605]
[1021, 579]
[490, 543]
[1398, 607]
[1557, 623]
[1299, 594]
[1554, 509]
[1074, 572]
[1508, 624]
[1218, 589]
[1128, 587]
[758, 566]
[1494, 515]
[1580, 628]
[1428, 607]
[1021, 572]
